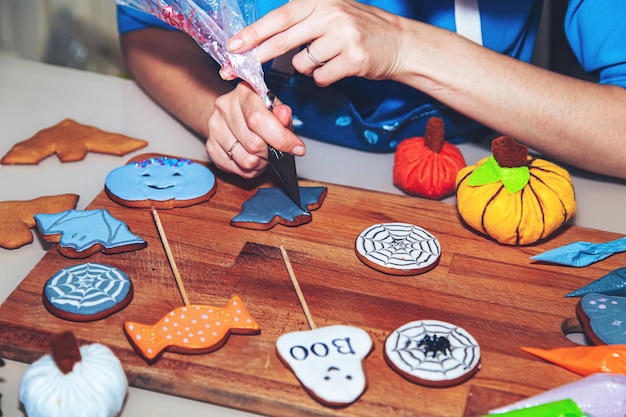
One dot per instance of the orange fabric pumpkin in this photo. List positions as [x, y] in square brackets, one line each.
[514, 198]
[427, 166]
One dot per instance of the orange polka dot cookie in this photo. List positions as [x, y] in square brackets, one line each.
[398, 248]
[191, 329]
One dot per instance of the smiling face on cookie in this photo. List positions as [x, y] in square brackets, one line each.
[328, 361]
[160, 179]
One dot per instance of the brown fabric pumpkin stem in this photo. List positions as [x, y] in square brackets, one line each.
[434, 137]
[508, 153]
[65, 351]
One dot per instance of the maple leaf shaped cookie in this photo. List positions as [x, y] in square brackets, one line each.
[18, 217]
[70, 141]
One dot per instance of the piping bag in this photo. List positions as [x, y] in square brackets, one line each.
[579, 254]
[211, 23]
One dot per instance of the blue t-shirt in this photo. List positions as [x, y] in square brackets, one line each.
[376, 115]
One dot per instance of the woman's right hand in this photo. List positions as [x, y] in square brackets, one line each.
[241, 128]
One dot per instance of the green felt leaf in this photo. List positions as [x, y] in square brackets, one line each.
[513, 179]
[487, 173]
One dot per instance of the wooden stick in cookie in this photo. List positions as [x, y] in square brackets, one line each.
[296, 286]
[191, 328]
[328, 361]
[170, 256]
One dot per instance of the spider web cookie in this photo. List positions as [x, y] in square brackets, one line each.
[433, 353]
[398, 248]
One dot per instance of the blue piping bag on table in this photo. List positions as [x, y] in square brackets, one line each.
[581, 253]
[211, 23]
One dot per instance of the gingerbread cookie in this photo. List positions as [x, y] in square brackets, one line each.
[18, 217]
[81, 233]
[70, 141]
[328, 361]
[602, 317]
[191, 329]
[433, 353]
[87, 292]
[398, 248]
[160, 181]
[271, 206]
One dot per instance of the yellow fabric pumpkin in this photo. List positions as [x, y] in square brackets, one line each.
[537, 200]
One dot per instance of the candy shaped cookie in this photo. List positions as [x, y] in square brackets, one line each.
[191, 329]
[433, 353]
[161, 181]
[328, 361]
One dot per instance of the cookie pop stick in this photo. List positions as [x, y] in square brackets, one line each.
[170, 257]
[328, 361]
[296, 286]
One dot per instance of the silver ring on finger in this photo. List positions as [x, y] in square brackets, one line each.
[312, 58]
[229, 152]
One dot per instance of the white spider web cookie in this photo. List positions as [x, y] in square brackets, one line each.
[398, 248]
[433, 353]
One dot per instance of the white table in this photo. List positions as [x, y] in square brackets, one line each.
[34, 96]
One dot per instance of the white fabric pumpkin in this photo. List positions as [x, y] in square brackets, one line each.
[96, 386]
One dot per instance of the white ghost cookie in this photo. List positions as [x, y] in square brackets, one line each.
[328, 361]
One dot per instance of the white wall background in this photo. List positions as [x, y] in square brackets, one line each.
[74, 33]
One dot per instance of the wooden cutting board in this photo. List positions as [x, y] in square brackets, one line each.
[495, 292]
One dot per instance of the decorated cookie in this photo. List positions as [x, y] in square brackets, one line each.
[18, 217]
[398, 248]
[191, 329]
[603, 318]
[613, 283]
[271, 206]
[160, 181]
[328, 361]
[74, 382]
[427, 166]
[87, 292]
[70, 141]
[514, 198]
[81, 233]
[433, 353]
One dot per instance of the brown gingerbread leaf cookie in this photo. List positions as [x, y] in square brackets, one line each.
[17, 217]
[70, 141]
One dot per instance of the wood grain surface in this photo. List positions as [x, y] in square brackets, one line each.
[495, 292]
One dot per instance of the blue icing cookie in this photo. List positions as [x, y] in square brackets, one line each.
[84, 232]
[604, 318]
[87, 291]
[613, 283]
[164, 182]
[270, 206]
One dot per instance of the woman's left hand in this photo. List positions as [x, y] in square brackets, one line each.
[343, 38]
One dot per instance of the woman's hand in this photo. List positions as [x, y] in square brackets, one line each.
[240, 129]
[343, 37]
